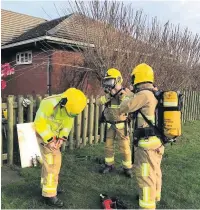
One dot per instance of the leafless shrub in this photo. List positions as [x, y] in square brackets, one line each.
[118, 36]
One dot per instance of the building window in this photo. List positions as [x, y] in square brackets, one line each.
[24, 57]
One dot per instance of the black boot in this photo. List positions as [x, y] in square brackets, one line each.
[60, 190]
[106, 169]
[53, 201]
[137, 197]
[128, 172]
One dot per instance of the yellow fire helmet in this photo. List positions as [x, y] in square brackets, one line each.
[75, 101]
[142, 73]
[114, 74]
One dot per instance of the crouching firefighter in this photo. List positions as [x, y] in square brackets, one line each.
[116, 124]
[53, 122]
[157, 120]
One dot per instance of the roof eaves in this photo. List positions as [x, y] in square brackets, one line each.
[6, 46]
[78, 43]
[55, 39]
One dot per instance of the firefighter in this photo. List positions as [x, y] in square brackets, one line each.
[116, 124]
[148, 147]
[53, 122]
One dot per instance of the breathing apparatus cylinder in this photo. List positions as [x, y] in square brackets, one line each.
[172, 114]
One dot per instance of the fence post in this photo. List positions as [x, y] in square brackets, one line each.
[191, 106]
[78, 130]
[96, 123]
[20, 109]
[102, 127]
[1, 146]
[38, 100]
[187, 106]
[71, 139]
[91, 119]
[183, 112]
[14, 112]
[30, 109]
[194, 106]
[85, 125]
[10, 129]
[198, 106]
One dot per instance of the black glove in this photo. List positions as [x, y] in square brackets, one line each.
[119, 203]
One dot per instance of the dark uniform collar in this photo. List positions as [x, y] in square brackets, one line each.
[142, 86]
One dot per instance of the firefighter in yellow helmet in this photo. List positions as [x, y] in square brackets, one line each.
[53, 122]
[148, 147]
[116, 124]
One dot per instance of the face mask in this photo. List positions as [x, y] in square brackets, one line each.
[109, 83]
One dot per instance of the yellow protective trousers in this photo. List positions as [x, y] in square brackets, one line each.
[149, 176]
[124, 146]
[50, 170]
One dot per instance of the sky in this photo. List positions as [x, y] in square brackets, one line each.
[185, 12]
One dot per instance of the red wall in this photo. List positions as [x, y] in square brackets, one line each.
[63, 63]
[32, 78]
[29, 78]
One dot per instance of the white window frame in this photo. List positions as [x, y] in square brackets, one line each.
[21, 55]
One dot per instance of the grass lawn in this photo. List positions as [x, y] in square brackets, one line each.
[83, 183]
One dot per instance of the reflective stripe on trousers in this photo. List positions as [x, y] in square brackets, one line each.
[148, 175]
[124, 147]
[50, 170]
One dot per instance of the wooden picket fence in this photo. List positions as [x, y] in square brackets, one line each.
[86, 130]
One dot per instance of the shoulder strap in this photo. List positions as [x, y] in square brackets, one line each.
[146, 119]
[113, 96]
[154, 126]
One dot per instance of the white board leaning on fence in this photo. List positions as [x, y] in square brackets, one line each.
[28, 144]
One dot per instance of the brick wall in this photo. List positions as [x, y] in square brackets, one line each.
[28, 78]
[63, 70]
[65, 74]
[32, 78]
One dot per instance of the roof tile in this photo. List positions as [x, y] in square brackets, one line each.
[14, 24]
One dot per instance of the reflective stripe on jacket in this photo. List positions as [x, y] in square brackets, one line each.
[112, 111]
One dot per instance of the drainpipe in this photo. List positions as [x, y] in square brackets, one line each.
[49, 75]
[49, 92]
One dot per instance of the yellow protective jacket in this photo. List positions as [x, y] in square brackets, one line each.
[111, 111]
[146, 102]
[51, 120]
